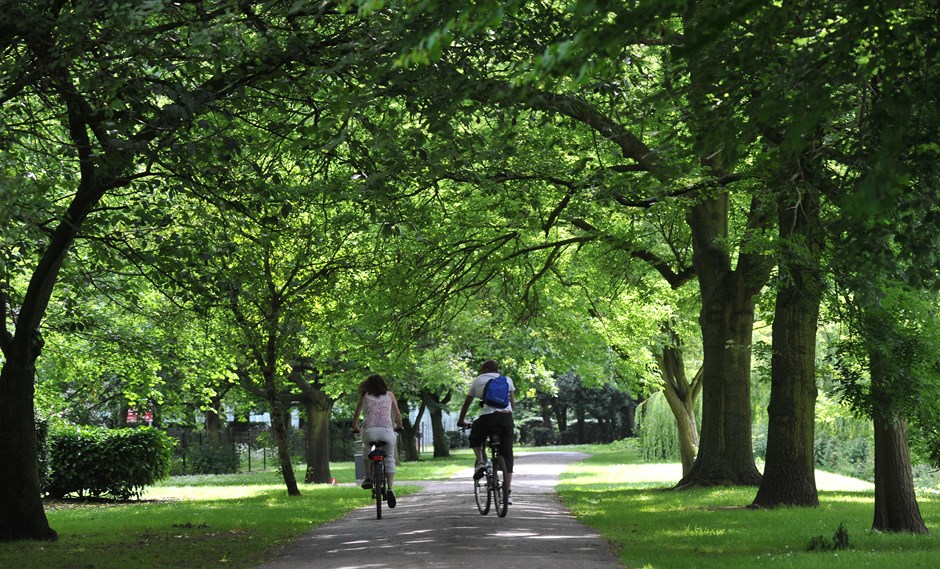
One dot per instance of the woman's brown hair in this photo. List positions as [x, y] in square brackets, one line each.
[373, 385]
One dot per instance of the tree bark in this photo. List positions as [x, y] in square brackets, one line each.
[896, 508]
[214, 420]
[409, 433]
[789, 472]
[22, 515]
[726, 455]
[319, 411]
[681, 396]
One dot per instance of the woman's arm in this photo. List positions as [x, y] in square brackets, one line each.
[396, 413]
[355, 427]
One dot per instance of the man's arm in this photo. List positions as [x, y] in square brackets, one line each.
[463, 411]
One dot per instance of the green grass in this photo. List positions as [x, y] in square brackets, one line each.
[233, 520]
[238, 521]
[654, 527]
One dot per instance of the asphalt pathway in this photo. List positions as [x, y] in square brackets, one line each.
[440, 528]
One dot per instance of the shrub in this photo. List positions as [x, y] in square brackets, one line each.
[458, 439]
[840, 541]
[213, 458]
[541, 436]
[97, 461]
[42, 431]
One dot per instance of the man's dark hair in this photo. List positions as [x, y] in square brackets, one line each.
[489, 366]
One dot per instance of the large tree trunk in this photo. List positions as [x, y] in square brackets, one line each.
[439, 435]
[681, 396]
[435, 404]
[214, 420]
[21, 515]
[726, 455]
[789, 472]
[896, 508]
[319, 411]
[279, 427]
[409, 435]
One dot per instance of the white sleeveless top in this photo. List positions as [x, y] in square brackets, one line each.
[377, 411]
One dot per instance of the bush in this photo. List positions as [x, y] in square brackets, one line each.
[97, 461]
[541, 436]
[42, 431]
[458, 439]
[217, 458]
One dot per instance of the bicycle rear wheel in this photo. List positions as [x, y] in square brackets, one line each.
[498, 487]
[482, 494]
[378, 485]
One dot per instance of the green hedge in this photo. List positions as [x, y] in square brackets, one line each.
[95, 461]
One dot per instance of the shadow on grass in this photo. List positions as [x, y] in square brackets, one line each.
[657, 527]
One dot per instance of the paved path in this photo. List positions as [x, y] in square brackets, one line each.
[440, 528]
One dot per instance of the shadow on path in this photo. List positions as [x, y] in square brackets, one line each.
[440, 527]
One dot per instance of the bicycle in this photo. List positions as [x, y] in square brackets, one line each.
[379, 482]
[491, 487]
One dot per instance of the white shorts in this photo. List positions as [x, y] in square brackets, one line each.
[386, 434]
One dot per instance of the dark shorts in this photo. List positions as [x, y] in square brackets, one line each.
[500, 422]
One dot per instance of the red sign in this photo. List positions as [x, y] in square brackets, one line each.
[133, 416]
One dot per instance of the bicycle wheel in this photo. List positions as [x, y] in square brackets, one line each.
[482, 494]
[498, 487]
[378, 485]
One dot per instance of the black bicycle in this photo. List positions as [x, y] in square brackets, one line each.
[491, 487]
[379, 482]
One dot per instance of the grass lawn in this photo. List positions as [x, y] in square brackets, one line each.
[201, 521]
[239, 520]
[655, 527]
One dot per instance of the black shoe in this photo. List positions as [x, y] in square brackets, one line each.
[390, 498]
[480, 471]
[367, 484]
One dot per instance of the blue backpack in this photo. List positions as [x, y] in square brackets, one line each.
[496, 392]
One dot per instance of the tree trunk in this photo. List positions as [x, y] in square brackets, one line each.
[681, 396]
[545, 411]
[409, 433]
[21, 515]
[439, 435]
[726, 455]
[214, 420]
[279, 427]
[560, 410]
[319, 411]
[789, 473]
[896, 508]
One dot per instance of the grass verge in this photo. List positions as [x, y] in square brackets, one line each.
[657, 528]
[197, 522]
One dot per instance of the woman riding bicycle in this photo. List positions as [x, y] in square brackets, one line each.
[381, 419]
[491, 418]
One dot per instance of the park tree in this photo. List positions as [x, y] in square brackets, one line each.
[92, 93]
[624, 152]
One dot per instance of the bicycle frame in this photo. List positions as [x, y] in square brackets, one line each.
[379, 482]
[491, 488]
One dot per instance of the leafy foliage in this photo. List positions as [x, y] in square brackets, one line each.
[97, 461]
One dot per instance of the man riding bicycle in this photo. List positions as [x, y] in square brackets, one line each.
[492, 418]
